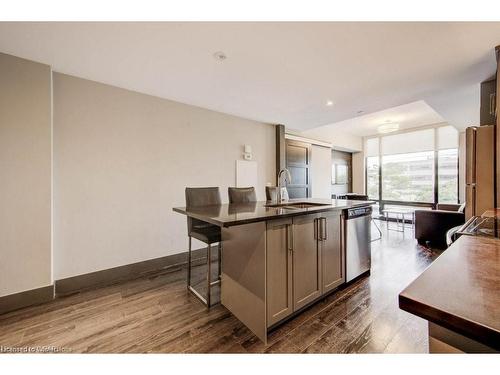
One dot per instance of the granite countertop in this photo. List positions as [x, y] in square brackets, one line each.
[226, 215]
[461, 290]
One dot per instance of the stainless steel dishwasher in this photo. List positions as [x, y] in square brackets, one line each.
[358, 244]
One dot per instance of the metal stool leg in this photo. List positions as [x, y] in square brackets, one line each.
[403, 224]
[189, 265]
[207, 300]
[209, 269]
[379, 231]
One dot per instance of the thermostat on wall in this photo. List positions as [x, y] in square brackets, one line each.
[247, 152]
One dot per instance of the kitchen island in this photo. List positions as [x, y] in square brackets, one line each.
[459, 294]
[278, 258]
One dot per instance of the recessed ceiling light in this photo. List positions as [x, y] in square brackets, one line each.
[388, 128]
[220, 56]
[329, 103]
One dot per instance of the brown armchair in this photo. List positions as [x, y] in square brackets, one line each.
[431, 226]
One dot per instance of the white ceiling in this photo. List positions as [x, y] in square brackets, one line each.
[276, 72]
[407, 116]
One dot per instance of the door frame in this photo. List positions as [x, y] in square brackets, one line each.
[308, 165]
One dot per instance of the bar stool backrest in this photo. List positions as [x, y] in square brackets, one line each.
[241, 195]
[272, 193]
[203, 196]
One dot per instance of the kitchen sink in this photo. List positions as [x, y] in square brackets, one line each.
[295, 205]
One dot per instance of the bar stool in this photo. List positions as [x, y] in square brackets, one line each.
[272, 193]
[241, 195]
[205, 232]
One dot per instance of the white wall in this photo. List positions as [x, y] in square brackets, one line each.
[25, 175]
[339, 139]
[121, 162]
[343, 141]
[321, 171]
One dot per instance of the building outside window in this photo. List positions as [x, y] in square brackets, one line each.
[408, 177]
[372, 174]
[405, 167]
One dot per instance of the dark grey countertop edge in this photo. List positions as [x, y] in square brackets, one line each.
[199, 217]
[289, 213]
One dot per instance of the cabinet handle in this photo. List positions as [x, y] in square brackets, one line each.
[315, 229]
[492, 104]
[324, 229]
[289, 237]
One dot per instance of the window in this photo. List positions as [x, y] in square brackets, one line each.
[406, 165]
[447, 176]
[372, 167]
[408, 177]
[372, 177]
[447, 164]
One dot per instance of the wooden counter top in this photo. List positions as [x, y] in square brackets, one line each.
[461, 290]
[494, 212]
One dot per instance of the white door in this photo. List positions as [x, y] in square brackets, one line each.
[321, 172]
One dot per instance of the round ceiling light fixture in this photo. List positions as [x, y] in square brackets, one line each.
[388, 127]
[329, 103]
[220, 56]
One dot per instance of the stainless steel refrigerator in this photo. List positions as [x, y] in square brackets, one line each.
[480, 172]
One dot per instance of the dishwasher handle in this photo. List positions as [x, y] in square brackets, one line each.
[354, 213]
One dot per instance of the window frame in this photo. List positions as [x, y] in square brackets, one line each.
[433, 205]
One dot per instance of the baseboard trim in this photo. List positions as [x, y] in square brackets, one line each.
[124, 273]
[28, 298]
[97, 279]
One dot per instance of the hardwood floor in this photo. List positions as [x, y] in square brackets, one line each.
[156, 314]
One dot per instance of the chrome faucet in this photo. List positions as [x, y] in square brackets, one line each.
[288, 178]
